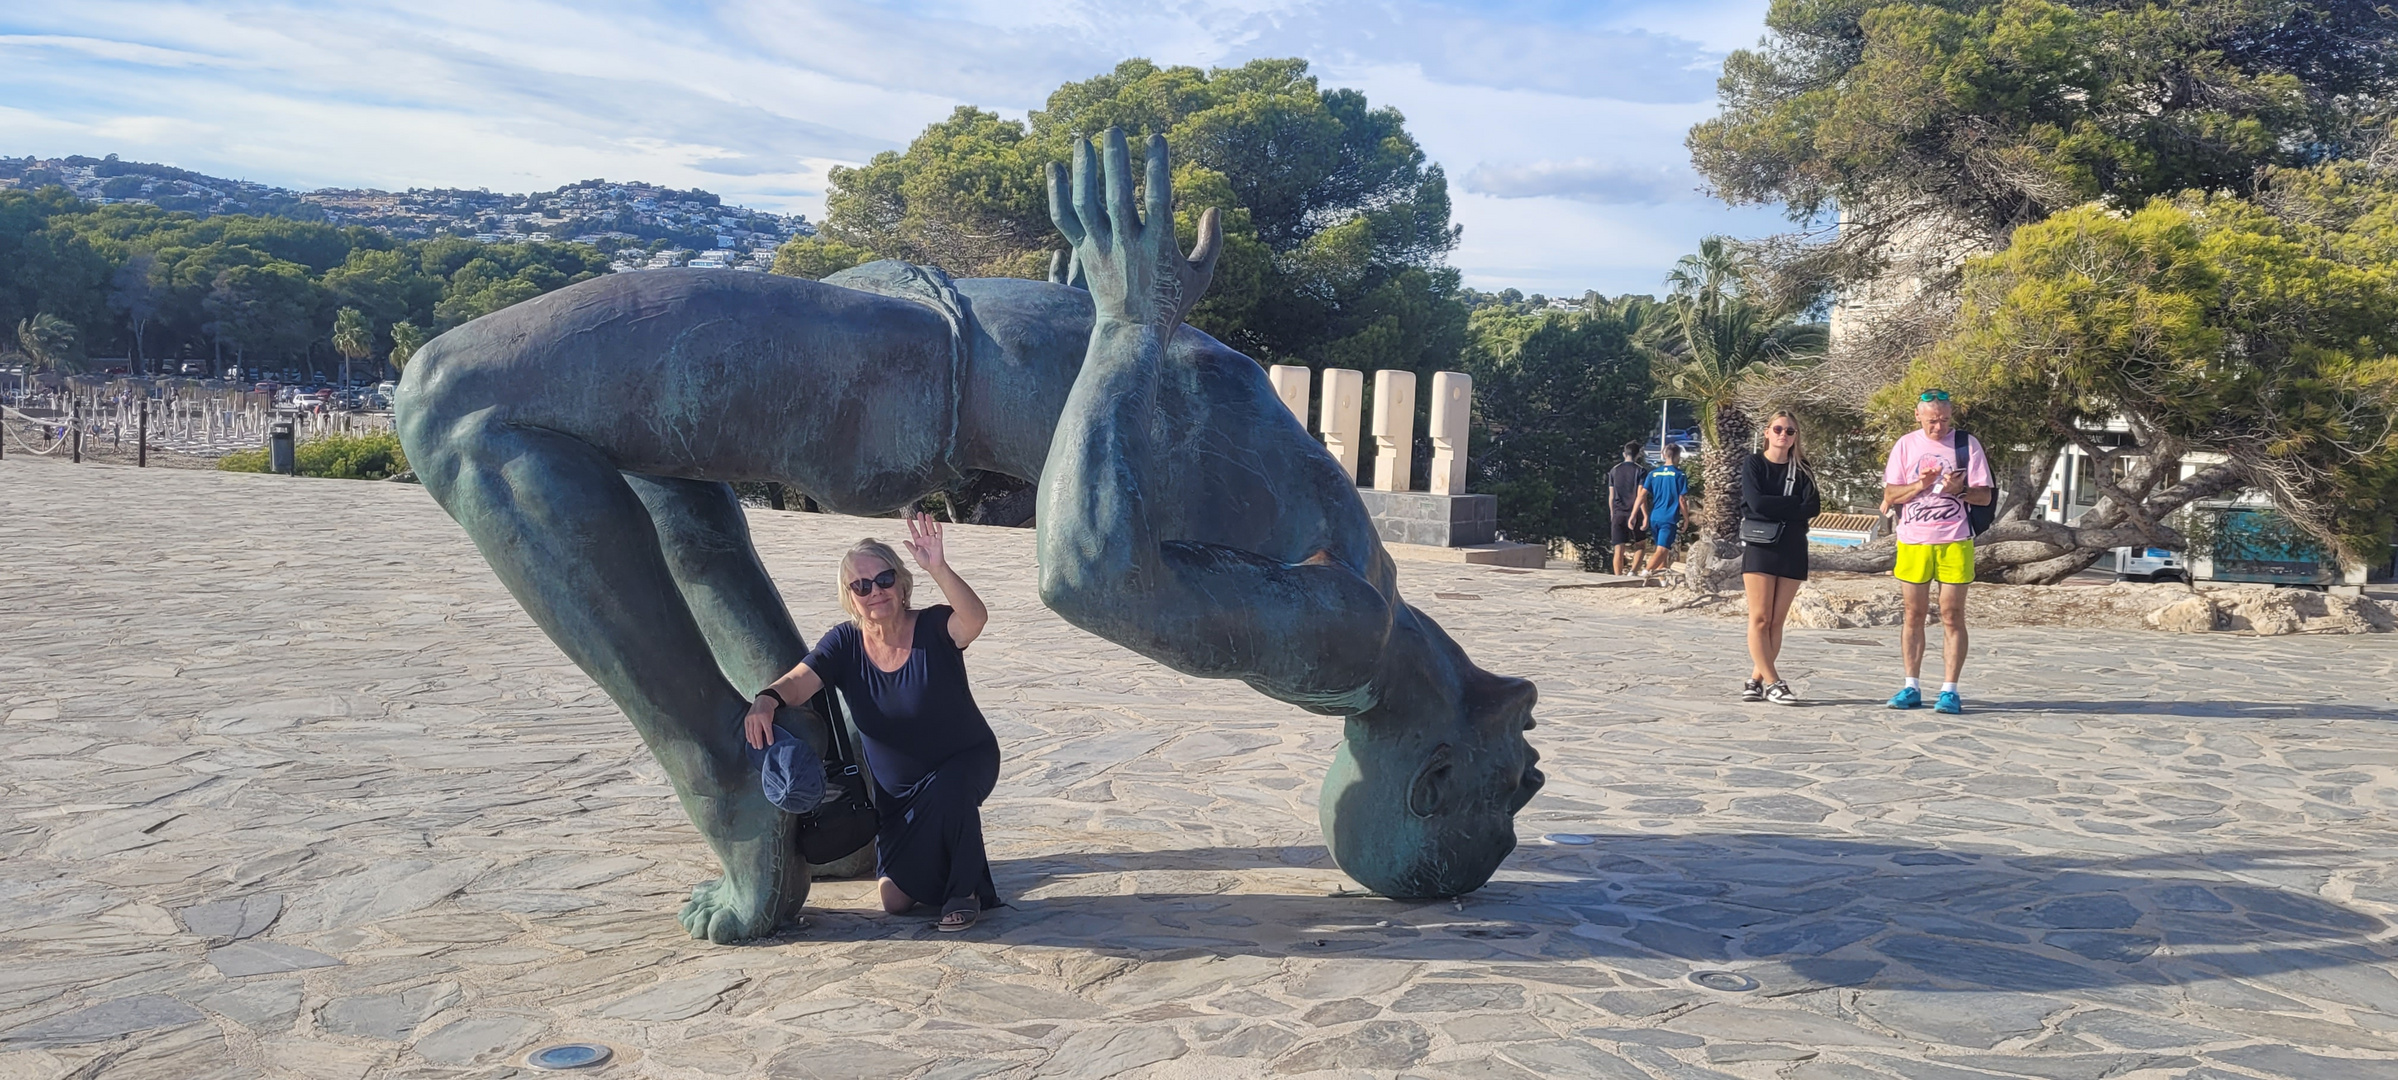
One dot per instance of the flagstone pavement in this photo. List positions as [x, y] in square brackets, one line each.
[289, 787]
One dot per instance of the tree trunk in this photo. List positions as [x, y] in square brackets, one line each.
[2024, 550]
[1727, 443]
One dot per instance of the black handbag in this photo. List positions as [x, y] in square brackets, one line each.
[1764, 533]
[846, 820]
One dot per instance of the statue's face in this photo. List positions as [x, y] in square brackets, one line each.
[1422, 795]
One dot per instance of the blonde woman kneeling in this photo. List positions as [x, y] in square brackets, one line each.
[933, 757]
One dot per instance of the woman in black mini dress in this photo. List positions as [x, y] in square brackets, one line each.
[1775, 486]
[933, 758]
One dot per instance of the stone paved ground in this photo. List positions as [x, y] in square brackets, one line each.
[289, 787]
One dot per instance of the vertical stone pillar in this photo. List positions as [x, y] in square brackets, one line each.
[1344, 393]
[1290, 384]
[1452, 415]
[1394, 429]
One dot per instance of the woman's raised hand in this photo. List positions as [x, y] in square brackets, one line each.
[924, 542]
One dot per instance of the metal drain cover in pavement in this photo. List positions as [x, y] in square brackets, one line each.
[569, 1056]
[1570, 839]
[1731, 982]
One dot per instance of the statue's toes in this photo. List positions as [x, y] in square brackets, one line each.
[698, 911]
[726, 928]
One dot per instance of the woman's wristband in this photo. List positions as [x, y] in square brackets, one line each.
[769, 692]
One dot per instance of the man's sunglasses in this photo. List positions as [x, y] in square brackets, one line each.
[884, 580]
[1934, 395]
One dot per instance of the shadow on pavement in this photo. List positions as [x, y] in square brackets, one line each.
[1796, 912]
[2259, 710]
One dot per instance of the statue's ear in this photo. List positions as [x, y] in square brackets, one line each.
[1429, 793]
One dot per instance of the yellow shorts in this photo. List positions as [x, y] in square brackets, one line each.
[1950, 563]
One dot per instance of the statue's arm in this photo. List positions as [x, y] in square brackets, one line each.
[1308, 632]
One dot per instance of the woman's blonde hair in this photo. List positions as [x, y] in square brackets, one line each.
[905, 586]
[1798, 442]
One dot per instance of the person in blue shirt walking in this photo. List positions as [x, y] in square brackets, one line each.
[1661, 498]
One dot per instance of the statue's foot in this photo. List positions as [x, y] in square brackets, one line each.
[765, 883]
[725, 911]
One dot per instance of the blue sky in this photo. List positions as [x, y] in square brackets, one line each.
[1560, 123]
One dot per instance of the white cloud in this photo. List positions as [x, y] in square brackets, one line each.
[1560, 121]
[1609, 183]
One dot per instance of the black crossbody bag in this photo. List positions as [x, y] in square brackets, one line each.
[846, 821]
[1765, 533]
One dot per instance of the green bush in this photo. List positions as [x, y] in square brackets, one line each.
[339, 457]
[244, 461]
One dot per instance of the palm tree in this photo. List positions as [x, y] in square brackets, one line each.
[1720, 338]
[405, 340]
[353, 338]
[50, 342]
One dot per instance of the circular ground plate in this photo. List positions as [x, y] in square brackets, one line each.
[1570, 839]
[569, 1056]
[1731, 982]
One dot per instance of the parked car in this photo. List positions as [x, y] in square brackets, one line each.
[2148, 564]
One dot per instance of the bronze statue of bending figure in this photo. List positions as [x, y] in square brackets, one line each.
[585, 439]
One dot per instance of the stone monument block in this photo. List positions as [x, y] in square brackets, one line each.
[1452, 413]
[1394, 429]
[1290, 384]
[1344, 393]
[1430, 520]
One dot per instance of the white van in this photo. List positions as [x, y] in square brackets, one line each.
[2148, 564]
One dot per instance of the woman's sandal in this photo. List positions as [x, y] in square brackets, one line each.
[959, 916]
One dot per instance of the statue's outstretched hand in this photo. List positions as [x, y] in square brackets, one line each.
[1133, 267]
[1065, 270]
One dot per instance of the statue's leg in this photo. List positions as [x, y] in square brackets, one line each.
[570, 540]
[704, 534]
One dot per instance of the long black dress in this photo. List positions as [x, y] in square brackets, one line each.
[1761, 498]
[933, 757]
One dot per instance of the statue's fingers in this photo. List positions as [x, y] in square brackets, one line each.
[1057, 260]
[1120, 208]
[1061, 213]
[1160, 185]
[1086, 189]
[1210, 244]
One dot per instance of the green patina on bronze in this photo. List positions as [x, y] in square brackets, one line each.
[586, 440]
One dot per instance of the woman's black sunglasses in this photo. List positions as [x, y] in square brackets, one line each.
[883, 580]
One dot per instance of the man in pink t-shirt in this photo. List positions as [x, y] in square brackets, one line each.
[1929, 487]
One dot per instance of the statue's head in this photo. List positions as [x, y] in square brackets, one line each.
[1422, 795]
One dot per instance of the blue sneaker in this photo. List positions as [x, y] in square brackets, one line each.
[1907, 698]
[1949, 703]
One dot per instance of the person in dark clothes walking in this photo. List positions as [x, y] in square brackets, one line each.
[1777, 499]
[902, 674]
[1623, 487]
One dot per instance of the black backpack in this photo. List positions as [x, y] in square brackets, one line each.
[847, 821]
[1978, 516]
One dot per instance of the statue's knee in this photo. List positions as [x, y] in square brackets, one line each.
[1062, 591]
